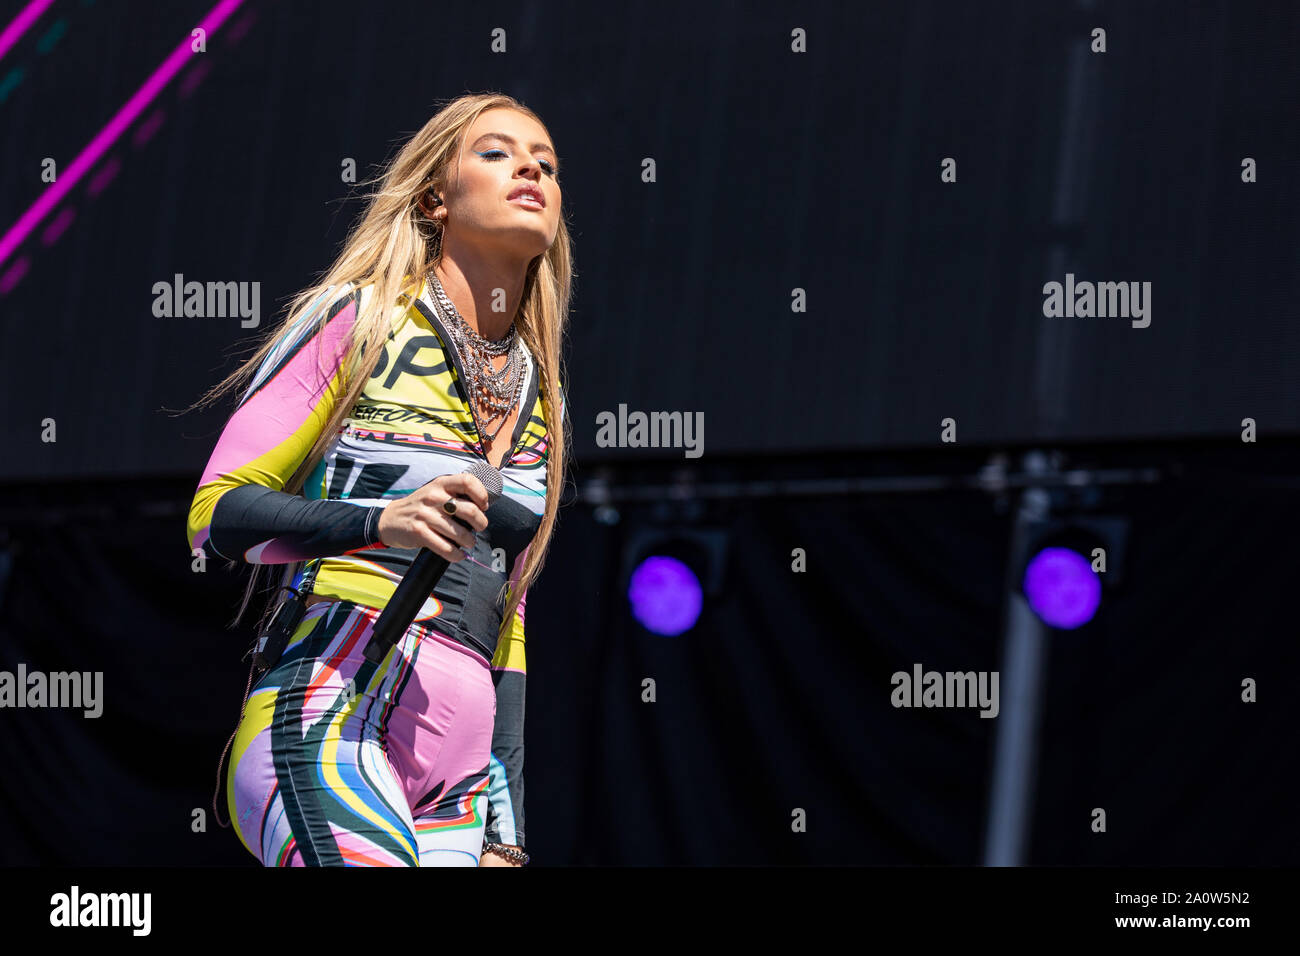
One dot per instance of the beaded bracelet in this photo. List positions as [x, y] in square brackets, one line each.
[500, 849]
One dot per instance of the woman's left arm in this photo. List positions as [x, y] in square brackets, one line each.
[505, 823]
[505, 812]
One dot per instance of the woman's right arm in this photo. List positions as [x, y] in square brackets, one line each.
[240, 512]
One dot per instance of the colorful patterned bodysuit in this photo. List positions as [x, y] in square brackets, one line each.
[338, 761]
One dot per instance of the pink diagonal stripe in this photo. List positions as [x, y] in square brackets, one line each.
[31, 13]
[110, 133]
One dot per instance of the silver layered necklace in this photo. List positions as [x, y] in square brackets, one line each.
[494, 392]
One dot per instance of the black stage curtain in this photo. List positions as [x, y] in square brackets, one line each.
[779, 698]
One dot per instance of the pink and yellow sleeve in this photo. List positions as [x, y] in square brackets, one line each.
[239, 511]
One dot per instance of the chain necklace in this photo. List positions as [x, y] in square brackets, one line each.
[495, 392]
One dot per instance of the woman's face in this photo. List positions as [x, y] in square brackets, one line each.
[505, 157]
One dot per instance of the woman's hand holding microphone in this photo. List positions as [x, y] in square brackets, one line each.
[420, 520]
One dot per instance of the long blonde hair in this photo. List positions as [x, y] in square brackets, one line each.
[391, 246]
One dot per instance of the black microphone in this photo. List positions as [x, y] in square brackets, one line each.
[419, 581]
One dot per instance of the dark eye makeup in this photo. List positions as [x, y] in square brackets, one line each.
[495, 153]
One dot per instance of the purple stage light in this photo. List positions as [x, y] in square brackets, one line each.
[665, 595]
[1062, 588]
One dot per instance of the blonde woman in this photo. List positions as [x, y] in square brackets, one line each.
[432, 342]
